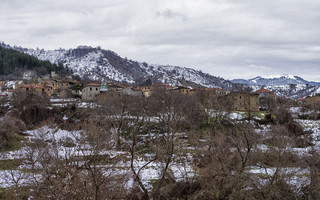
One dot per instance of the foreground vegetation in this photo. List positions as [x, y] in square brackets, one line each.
[168, 146]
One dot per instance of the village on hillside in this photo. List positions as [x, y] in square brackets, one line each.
[55, 86]
[153, 138]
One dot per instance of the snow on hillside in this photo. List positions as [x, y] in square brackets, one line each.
[177, 73]
[281, 76]
[105, 65]
[94, 63]
[91, 63]
[275, 80]
[283, 85]
[292, 91]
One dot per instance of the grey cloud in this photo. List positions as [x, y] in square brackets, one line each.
[171, 14]
[211, 35]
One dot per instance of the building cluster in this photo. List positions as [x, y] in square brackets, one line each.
[48, 84]
[52, 85]
[311, 101]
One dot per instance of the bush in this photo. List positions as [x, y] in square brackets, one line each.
[32, 107]
[282, 116]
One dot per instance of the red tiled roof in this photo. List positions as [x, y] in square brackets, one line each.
[93, 84]
[10, 90]
[301, 99]
[25, 86]
[38, 86]
[263, 91]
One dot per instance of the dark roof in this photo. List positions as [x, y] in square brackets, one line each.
[161, 85]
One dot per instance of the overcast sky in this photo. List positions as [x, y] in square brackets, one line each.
[227, 38]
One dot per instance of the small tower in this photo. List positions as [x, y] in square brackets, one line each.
[53, 74]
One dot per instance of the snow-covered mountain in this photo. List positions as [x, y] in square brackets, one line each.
[293, 91]
[275, 80]
[284, 85]
[106, 65]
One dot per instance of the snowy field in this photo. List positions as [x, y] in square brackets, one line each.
[63, 144]
[56, 139]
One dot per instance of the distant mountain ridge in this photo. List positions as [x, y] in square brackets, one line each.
[284, 85]
[276, 80]
[106, 65]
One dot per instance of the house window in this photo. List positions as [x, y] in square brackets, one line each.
[240, 97]
[96, 89]
[90, 89]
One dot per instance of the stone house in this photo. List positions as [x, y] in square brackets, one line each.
[53, 74]
[23, 87]
[54, 83]
[146, 91]
[301, 101]
[182, 90]
[64, 85]
[313, 102]
[38, 88]
[265, 98]
[132, 92]
[90, 92]
[34, 88]
[110, 86]
[209, 97]
[244, 101]
[48, 89]
[160, 87]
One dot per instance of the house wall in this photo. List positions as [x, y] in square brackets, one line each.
[48, 90]
[90, 93]
[130, 92]
[264, 100]
[38, 90]
[245, 102]
[24, 89]
[146, 93]
[313, 101]
[182, 90]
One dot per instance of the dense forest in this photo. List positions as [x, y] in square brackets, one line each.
[10, 60]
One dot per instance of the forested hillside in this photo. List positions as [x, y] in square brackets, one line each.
[11, 59]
